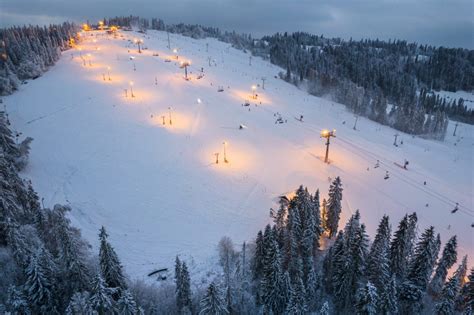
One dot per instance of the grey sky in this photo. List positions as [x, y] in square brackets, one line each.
[438, 22]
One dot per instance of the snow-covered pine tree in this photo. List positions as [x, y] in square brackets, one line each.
[126, 304]
[294, 235]
[312, 289]
[367, 300]
[272, 284]
[297, 303]
[184, 294]
[446, 261]
[318, 225]
[79, 304]
[40, 281]
[71, 260]
[466, 295]
[348, 266]
[109, 264]
[324, 309]
[451, 289]
[334, 207]
[332, 258]
[17, 302]
[402, 246]
[388, 302]
[420, 268]
[378, 263]
[101, 299]
[447, 300]
[257, 259]
[213, 303]
[424, 258]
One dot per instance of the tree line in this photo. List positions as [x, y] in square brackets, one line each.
[27, 52]
[386, 81]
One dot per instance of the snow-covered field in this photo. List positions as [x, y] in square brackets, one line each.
[157, 188]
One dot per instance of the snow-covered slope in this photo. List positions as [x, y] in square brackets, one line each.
[157, 188]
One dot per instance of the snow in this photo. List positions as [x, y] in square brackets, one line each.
[156, 187]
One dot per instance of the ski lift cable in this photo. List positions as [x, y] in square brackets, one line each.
[409, 181]
[437, 195]
[434, 194]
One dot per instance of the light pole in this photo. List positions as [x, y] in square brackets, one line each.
[185, 64]
[138, 42]
[254, 94]
[327, 134]
[355, 123]
[131, 89]
[175, 51]
[225, 155]
[395, 141]
[169, 111]
[108, 72]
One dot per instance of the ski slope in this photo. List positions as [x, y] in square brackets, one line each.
[157, 188]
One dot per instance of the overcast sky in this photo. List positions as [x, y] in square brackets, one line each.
[438, 22]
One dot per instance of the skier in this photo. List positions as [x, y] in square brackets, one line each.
[405, 164]
[386, 175]
[377, 164]
[301, 118]
[456, 208]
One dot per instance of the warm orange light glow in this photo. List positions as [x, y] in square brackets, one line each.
[131, 83]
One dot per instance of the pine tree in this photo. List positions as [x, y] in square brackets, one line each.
[126, 304]
[272, 284]
[312, 287]
[348, 266]
[71, 257]
[447, 260]
[402, 245]
[109, 263]
[297, 303]
[324, 309]
[334, 206]
[257, 261]
[17, 302]
[367, 300]
[420, 269]
[184, 294]
[213, 303]
[39, 282]
[101, 296]
[378, 263]
[446, 304]
[426, 252]
[331, 261]
[468, 293]
[388, 303]
[79, 304]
